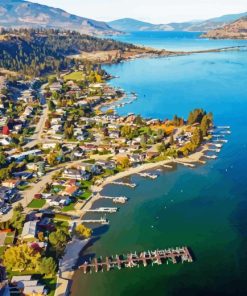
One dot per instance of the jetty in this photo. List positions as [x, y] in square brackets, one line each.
[147, 175]
[173, 255]
[223, 127]
[210, 156]
[102, 210]
[167, 166]
[187, 164]
[131, 185]
[116, 199]
[102, 221]
[214, 150]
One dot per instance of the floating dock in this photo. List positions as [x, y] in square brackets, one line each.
[103, 210]
[131, 185]
[210, 156]
[187, 164]
[167, 166]
[102, 221]
[147, 175]
[176, 255]
[116, 199]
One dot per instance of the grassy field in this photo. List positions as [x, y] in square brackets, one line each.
[68, 208]
[36, 204]
[76, 76]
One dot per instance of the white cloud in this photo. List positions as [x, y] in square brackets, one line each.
[156, 11]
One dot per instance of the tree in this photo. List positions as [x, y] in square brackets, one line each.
[197, 137]
[47, 124]
[83, 231]
[17, 220]
[47, 266]
[18, 207]
[3, 159]
[51, 105]
[123, 161]
[205, 124]
[21, 257]
[58, 239]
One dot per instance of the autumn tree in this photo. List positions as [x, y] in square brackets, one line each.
[83, 231]
[123, 161]
[21, 258]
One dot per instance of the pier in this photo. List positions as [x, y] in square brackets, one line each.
[102, 221]
[173, 255]
[223, 127]
[147, 175]
[187, 164]
[167, 166]
[116, 199]
[131, 185]
[210, 156]
[102, 210]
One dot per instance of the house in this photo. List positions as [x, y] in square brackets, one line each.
[29, 230]
[55, 87]
[107, 164]
[71, 174]
[11, 183]
[136, 158]
[58, 200]
[7, 194]
[28, 286]
[70, 190]
[49, 145]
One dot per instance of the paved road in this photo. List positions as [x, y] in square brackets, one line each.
[37, 136]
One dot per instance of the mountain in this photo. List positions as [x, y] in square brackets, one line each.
[235, 30]
[20, 13]
[131, 25]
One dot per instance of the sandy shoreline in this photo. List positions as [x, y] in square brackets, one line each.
[191, 159]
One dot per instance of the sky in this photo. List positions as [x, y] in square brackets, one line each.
[155, 11]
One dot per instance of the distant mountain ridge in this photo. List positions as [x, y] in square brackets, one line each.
[131, 25]
[20, 13]
[235, 30]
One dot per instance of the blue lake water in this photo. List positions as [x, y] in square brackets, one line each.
[204, 208]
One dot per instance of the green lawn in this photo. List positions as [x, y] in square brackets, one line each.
[77, 76]
[2, 249]
[85, 195]
[68, 208]
[9, 238]
[37, 204]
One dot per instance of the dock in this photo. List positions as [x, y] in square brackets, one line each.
[131, 185]
[116, 199]
[167, 166]
[223, 127]
[210, 156]
[102, 221]
[147, 175]
[173, 255]
[187, 164]
[102, 210]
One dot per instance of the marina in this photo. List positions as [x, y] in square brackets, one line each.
[173, 255]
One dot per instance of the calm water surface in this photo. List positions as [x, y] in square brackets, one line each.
[204, 208]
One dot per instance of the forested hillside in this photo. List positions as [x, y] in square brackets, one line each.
[36, 51]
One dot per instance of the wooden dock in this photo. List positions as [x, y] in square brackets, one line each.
[116, 199]
[173, 255]
[102, 221]
[131, 185]
[103, 210]
[147, 175]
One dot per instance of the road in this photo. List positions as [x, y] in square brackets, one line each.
[37, 136]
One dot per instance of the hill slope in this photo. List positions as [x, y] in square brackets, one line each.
[235, 30]
[131, 25]
[20, 13]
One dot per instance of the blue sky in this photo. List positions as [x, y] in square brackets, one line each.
[156, 11]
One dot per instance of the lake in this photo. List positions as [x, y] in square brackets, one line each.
[204, 208]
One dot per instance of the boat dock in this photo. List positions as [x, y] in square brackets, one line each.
[176, 255]
[167, 166]
[147, 175]
[210, 156]
[131, 185]
[103, 210]
[116, 199]
[102, 221]
[187, 164]
[223, 127]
